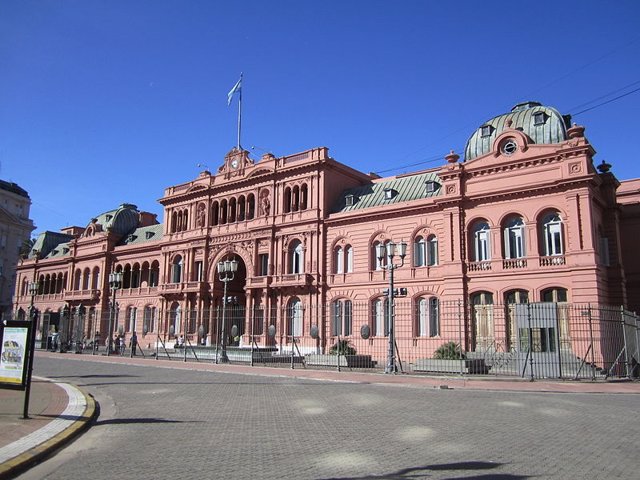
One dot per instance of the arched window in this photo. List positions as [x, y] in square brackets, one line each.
[154, 274]
[513, 233]
[511, 299]
[175, 318]
[251, 206]
[144, 274]
[232, 210]
[432, 250]
[419, 252]
[341, 318]
[377, 262]
[185, 220]
[295, 318]
[338, 260]
[135, 276]
[95, 282]
[223, 212]
[349, 254]
[149, 319]
[483, 328]
[295, 199]
[215, 213]
[76, 280]
[242, 207]
[126, 277]
[287, 200]
[296, 257]
[552, 240]
[176, 270]
[174, 222]
[131, 319]
[481, 241]
[380, 317]
[428, 317]
[304, 194]
[86, 278]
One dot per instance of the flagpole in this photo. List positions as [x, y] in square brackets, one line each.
[239, 113]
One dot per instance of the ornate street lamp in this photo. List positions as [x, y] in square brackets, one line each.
[226, 272]
[78, 329]
[387, 252]
[115, 284]
[33, 291]
[64, 327]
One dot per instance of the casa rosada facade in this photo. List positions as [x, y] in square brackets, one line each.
[523, 215]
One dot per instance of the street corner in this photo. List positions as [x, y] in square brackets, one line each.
[36, 446]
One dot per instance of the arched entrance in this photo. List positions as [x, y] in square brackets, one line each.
[229, 301]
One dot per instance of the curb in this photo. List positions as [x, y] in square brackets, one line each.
[33, 456]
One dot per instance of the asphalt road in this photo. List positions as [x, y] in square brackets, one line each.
[164, 423]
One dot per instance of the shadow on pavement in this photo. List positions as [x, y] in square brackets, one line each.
[421, 472]
[128, 421]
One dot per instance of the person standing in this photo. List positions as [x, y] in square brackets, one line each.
[133, 343]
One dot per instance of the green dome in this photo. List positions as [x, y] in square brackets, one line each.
[544, 125]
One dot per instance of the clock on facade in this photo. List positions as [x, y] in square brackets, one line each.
[234, 163]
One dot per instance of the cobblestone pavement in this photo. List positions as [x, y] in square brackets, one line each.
[160, 422]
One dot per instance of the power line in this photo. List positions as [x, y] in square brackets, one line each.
[604, 96]
[608, 101]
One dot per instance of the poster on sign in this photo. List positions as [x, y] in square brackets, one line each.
[14, 343]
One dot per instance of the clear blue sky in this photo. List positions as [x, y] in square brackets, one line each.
[105, 102]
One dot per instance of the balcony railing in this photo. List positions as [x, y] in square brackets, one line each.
[86, 294]
[479, 266]
[292, 280]
[552, 261]
[263, 281]
[513, 263]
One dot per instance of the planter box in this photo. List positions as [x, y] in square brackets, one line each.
[349, 361]
[470, 366]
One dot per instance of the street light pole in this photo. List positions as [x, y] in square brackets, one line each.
[115, 284]
[33, 291]
[226, 273]
[389, 251]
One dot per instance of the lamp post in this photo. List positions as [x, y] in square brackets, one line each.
[226, 272]
[387, 252]
[64, 328]
[115, 284]
[33, 313]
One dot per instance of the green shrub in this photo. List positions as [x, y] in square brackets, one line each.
[342, 347]
[449, 351]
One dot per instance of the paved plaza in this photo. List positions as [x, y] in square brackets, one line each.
[174, 420]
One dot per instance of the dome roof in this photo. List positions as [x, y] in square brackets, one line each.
[544, 125]
[122, 220]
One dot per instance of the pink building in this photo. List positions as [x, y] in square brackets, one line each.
[524, 216]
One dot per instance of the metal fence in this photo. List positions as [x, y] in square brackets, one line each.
[532, 340]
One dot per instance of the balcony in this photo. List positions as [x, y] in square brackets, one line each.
[292, 280]
[260, 282]
[87, 294]
[137, 292]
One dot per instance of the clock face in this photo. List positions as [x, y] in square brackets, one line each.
[234, 163]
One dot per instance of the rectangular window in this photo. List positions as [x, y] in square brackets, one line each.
[263, 264]
[198, 271]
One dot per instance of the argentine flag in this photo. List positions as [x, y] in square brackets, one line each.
[236, 88]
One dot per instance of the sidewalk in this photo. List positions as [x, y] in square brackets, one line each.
[59, 411]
